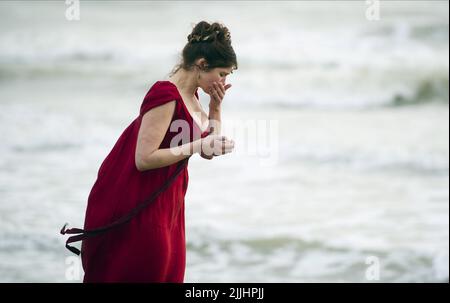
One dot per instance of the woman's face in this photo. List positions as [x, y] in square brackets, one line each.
[218, 74]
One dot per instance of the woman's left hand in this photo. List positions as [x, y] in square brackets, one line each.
[217, 93]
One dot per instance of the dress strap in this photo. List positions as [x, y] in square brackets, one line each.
[82, 234]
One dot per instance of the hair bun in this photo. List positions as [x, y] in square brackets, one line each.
[211, 42]
[205, 32]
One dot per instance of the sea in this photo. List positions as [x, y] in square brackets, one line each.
[339, 111]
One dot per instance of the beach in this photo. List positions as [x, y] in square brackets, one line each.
[348, 162]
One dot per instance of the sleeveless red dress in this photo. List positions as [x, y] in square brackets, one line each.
[151, 247]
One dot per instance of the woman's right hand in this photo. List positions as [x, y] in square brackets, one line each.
[215, 145]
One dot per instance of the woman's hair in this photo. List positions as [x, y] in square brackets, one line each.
[209, 41]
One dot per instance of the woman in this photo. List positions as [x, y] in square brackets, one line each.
[151, 246]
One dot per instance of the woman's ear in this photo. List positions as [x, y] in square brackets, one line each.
[202, 63]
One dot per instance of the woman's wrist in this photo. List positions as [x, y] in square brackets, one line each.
[196, 146]
[214, 108]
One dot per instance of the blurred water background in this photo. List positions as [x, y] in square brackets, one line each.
[362, 144]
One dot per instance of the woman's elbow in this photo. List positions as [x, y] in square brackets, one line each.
[141, 162]
[144, 163]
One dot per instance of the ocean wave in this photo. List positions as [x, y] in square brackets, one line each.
[294, 259]
[370, 161]
[431, 89]
[423, 31]
[401, 61]
[32, 242]
[427, 91]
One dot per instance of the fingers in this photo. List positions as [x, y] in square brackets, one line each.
[207, 157]
[221, 145]
[217, 92]
[218, 137]
[216, 145]
[225, 88]
[227, 146]
[216, 96]
[218, 87]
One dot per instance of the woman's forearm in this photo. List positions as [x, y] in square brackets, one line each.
[167, 156]
[215, 120]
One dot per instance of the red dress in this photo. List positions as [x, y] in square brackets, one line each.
[151, 247]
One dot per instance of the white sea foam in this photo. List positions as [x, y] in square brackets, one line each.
[362, 108]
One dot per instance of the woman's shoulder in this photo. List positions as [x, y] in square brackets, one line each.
[163, 88]
[159, 93]
[162, 84]
[168, 86]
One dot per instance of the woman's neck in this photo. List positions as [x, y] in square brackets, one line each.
[185, 81]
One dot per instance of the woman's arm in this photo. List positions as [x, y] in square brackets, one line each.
[214, 120]
[217, 94]
[153, 128]
[168, 156]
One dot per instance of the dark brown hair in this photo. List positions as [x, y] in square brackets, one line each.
[209, 41]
